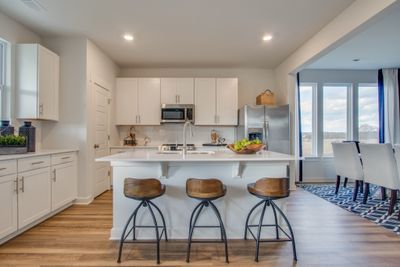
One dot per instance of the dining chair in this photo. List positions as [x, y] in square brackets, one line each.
[380, 168]
[347, 164]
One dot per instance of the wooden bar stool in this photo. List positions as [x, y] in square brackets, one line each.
[143, 190]
[205, 190]
[269, 189]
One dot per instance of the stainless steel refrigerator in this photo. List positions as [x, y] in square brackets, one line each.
[269, 124]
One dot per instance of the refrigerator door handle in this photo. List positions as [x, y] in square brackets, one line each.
[266, 133]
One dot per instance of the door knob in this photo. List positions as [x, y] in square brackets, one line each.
[96, 146]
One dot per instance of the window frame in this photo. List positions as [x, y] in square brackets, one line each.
[352, 116]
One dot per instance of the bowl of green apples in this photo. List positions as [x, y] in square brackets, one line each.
[246, 146]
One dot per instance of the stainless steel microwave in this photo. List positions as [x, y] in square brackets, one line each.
[177, 113]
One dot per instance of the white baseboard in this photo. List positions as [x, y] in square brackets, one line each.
[84, 200]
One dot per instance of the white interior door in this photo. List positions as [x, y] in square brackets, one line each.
[101, 122]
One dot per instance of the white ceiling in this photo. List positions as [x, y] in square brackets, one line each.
[378, 46]
[183, 33]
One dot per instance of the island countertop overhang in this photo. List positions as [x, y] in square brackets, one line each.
[217, 156]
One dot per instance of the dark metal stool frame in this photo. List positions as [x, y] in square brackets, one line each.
[268, 201]
[206, 202]
[145, 202]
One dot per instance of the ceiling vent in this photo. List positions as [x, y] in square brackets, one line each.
[34, 4]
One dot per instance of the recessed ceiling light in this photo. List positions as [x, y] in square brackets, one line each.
[128, 37]
[267, 38]
[356, 59]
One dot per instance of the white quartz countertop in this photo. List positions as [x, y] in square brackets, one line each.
[142, 155]
[42, 152]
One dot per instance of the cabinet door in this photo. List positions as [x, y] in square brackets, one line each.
[227, 101]
[126, 109]
[47, 84]
[168, 91]
[149, 101]
[34, 197]
[63, 186]
[8, 205]
[185, 90]
[205, 101]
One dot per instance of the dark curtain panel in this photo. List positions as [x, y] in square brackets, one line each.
[381, 107]
[300, 132]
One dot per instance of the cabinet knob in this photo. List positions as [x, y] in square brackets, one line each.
[96, 146]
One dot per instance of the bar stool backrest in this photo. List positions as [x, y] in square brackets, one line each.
[380, 167]
[347, 161]
[273, 187]
[204, 186]
[142, 188]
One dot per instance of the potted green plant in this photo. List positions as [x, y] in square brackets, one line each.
[12, 144]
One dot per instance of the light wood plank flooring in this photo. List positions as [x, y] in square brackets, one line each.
[326, 236]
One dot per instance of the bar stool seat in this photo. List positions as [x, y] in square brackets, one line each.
[269, 189]
[143, 190]
[205, 190]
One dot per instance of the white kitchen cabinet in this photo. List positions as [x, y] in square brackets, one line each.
[37, 82]
[34, 196]
[8, 205]
[63, 185]
[138, 101]
[216, 101]
[227, 101]
[177, 91]
[126, 108]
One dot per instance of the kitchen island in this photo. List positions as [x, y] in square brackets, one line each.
[174, 168]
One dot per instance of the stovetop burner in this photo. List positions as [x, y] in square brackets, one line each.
[174, 147]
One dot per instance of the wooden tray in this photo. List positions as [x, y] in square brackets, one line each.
[250, 149]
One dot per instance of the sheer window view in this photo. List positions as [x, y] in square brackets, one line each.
[334, 115]
[368, 116]
[306, 105]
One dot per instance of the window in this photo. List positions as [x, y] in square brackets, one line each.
[333, 112]
[368, 114]
[335, 105]
[307, 92]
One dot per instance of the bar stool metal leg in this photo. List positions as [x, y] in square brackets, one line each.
[290, 229]
[276, 221]
[259, 230]
[248, 217]
[156, 230]
[123, 237]
[162, 218]
[191, 229]
[223, 232]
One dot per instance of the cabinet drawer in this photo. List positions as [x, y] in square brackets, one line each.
[33, 163]
[8, 167]
[62, 158]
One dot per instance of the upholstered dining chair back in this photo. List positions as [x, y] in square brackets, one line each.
[347, 161]
[380, 167]
[397, 156]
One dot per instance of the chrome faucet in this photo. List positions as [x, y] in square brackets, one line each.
[184, 147]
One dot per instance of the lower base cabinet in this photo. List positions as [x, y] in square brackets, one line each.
[63, 188]
[8, 205]
[34, 196]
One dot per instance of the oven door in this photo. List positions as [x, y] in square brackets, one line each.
[173, 115]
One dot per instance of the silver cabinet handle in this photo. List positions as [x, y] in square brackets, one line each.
[16, 185]
[96, 146]
[55, 175]
[179, 99]
[65, 157]
[22, 184]
[139, 118]
[176, 99]
[2, 169]
[37, 162]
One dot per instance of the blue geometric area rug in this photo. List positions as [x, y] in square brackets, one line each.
[375, 210]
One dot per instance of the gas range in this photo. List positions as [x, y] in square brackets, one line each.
[175, 147]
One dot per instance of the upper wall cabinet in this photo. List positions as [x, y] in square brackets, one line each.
[37, 82]
[138, 101]
[216, 101]
[177, 91]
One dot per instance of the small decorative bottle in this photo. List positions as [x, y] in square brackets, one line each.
[29, 132]
[6, 128]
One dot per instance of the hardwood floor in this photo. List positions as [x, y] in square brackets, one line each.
[326, 236]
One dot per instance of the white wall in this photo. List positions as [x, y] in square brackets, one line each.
[14, 33]
[322, 168]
